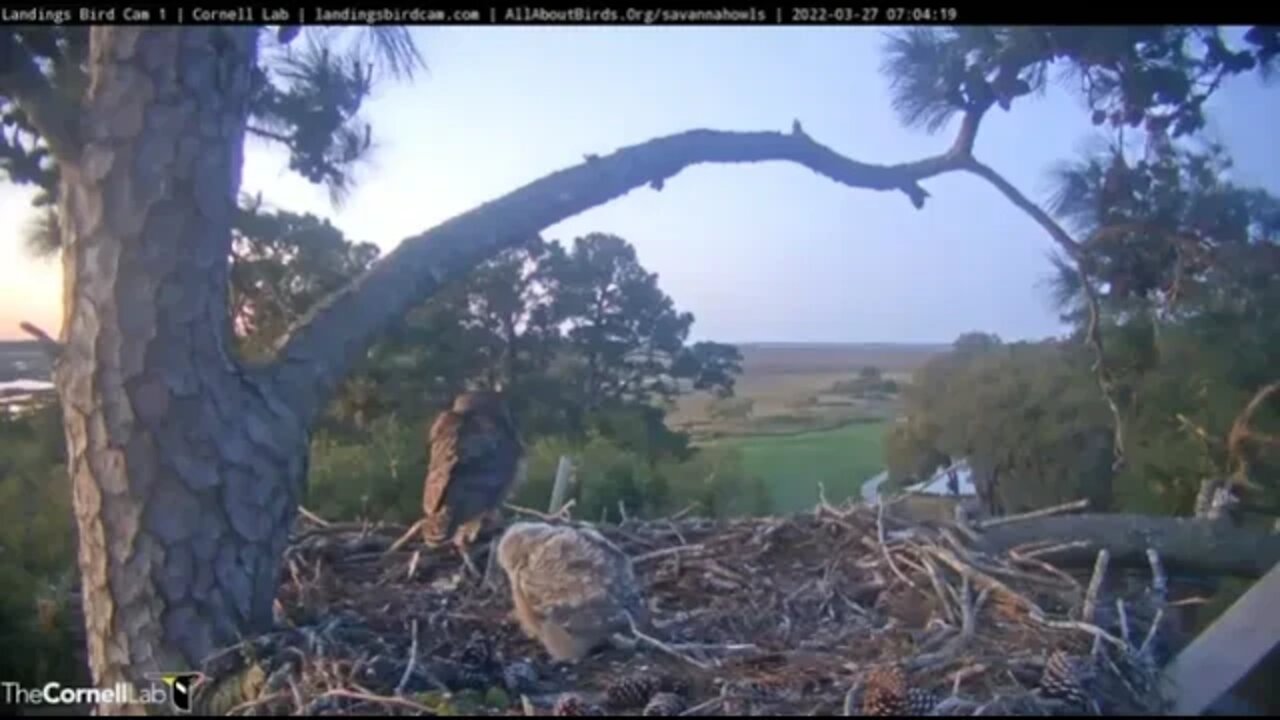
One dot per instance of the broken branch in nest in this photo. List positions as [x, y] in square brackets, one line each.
[48, 345]
[405, 538]
[702, 706]
[982, 579]
[1097, 632]
[257, 702]
[413, 659]
[1059, 547]
[561, 515]
[666, 552]
[1095, 586]
[378, 699]
[1069, 581]
[663, 647]
[1043, 512]
[1159, 581]
[884, 549]
[313, 517]
[938, 587]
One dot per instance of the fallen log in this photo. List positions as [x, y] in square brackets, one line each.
[1185, 544]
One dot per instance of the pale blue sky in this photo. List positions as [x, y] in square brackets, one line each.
[766, 252]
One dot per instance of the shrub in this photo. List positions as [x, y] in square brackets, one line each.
[376, 476]
[731, 408]
[37, 553]
[607, 474]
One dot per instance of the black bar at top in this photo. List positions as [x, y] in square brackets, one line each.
[730, 12]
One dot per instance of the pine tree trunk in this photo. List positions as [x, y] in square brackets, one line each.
[186, 468]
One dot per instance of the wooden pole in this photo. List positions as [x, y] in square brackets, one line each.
[560, 491]
[1225, 652]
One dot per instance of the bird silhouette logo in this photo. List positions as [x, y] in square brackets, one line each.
[182, 687]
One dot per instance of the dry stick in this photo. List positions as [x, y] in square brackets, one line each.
[954, 703]
[702, 706]
[560, 490]
[983, 579]
[1098, 633]
[1091, 595]
[1160, 596]
[562, 515]
[679, 535]
[405, 538]
[850, 700]
[1043, 512]
[298, 705]
[1061, 547]
[666, 552]
[313, 517]
[659, 645]
[1066, 578]
[968, 619]
[1124, 623]
[1095, 586]
[413, 658]
[413, 563]
[884, 549]
[1159, 581]
[256, 702]
[937, 583]
[1027, 577]
[1151, 632]
[690, 508]
[381, 699]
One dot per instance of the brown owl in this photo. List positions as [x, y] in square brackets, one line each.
[572, 589]
[476, 458]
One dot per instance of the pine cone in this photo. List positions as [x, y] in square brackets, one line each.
[633, 691]
[477, 653]
[885, 692]
[1063, 680]
[572, 705]
[519, 677]
[664, 705]
[921, 701]
[472, 678]
[569, 705]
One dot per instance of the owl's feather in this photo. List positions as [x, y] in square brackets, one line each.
[475, 460]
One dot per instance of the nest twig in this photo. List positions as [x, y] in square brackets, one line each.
[786, 614]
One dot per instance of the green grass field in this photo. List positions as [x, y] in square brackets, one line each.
[793, 465]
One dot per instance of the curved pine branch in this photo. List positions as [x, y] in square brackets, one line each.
[315, 355]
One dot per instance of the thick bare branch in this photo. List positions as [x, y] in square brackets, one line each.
[1184, 544]
[56, 118]
[318, 351]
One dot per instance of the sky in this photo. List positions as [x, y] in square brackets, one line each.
[766, 252]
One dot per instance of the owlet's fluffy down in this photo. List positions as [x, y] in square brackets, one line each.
[572, 589]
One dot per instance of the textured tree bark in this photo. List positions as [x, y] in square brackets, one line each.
[1185, 545]
[185, 468]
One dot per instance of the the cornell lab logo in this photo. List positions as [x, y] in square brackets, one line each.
[182, 687]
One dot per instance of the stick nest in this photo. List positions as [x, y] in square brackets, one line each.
[796, 615]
